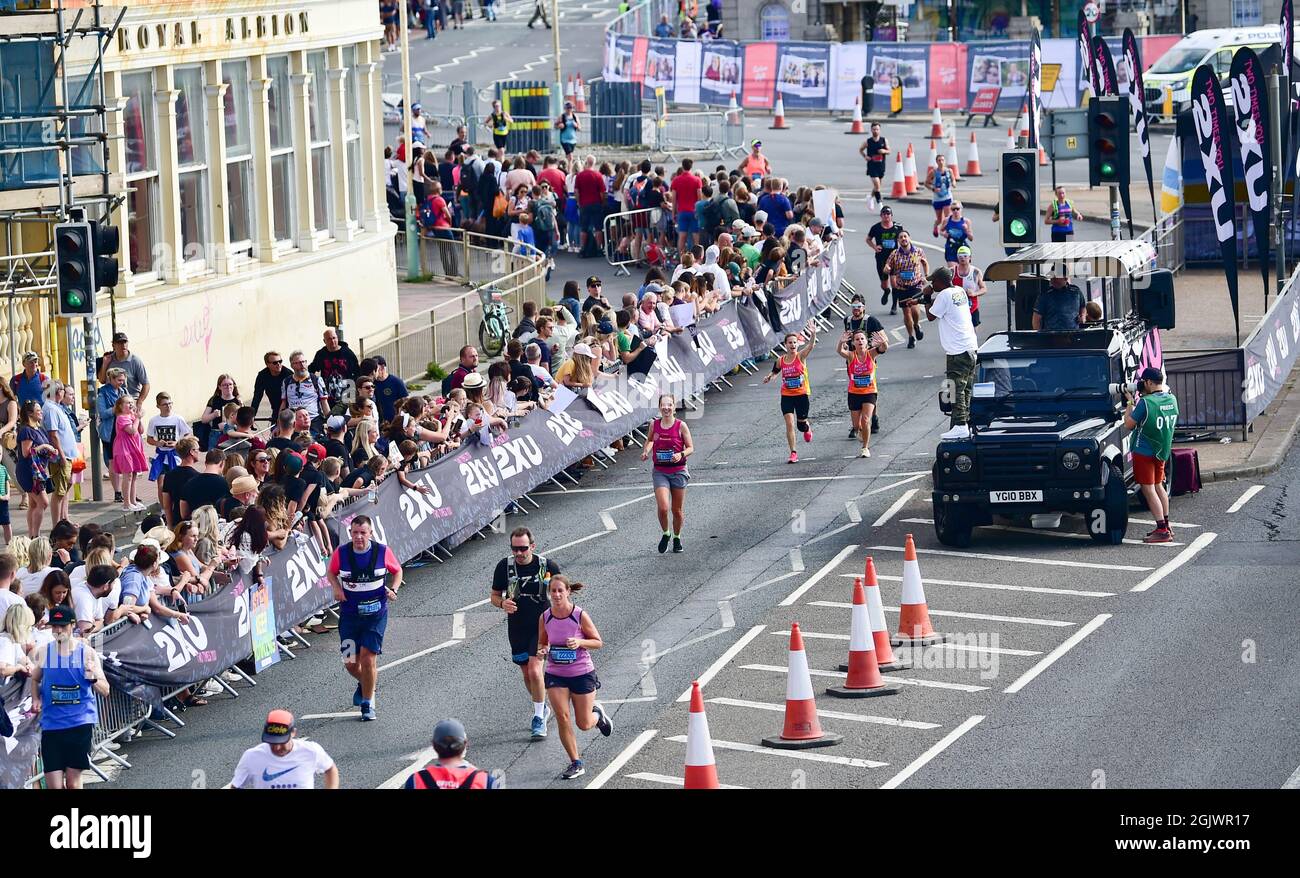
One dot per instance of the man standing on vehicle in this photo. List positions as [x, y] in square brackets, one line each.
[1062, 307]
[1154, 418]
[950, 306]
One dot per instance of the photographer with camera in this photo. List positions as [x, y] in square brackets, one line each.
[951, 307]
[1154, 417]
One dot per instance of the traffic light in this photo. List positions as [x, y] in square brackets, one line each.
[104, 241]
[73, 251]
[1108, 142]
[1019, 203]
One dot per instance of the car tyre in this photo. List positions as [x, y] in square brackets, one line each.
[1108, 523]
[953, 524]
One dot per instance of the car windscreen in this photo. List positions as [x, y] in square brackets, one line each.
[1178, 60]
[1028, 376]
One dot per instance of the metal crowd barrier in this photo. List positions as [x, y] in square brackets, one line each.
[626, 236]
[720, 132]
[1166, 237]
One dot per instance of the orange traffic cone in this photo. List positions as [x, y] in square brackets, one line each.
[856, 127]
[952, 157]
[701, 770]
[1011, 138]
[568, 89]
[1042, 156]
[930, 162]
[802, 728]
[909, 169]
[899, 187]
[1022, 125]
[914, 627]
[879, 630]
[973, 159]
[580, 95]
[864, 680]
[936, 124]
[733, 110]
[778, 119]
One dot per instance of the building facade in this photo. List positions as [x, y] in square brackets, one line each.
[245, 144]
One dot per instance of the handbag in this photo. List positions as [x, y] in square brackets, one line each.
[10, 440]
[500, 205]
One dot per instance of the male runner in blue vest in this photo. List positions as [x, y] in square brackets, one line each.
[357, 571]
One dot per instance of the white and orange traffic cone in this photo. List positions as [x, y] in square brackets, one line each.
[1042, 157]
[936, 123]
[802, 728]
[701, 769]
[1022, 125]
[930, 161]
[580, 95]
[951, 157]
[973, 159]
[1011, 138]
[899, 187]
[856, 127]
[778, 119]
[914, 628]
[885, 659]
[864, 680]
[568, 89]
[909, 169]
[733, 110]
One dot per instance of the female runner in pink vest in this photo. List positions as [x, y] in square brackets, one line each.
[566, 635]
[670, 442]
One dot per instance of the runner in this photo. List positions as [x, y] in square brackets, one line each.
[670, 440]
[1061, 215]
[859, 351]
[875, 150]
[519, 588]
[282, 763]
[756, 167]
[970, 279]
[498, 122]
[957, 233]
[566, 635]
[66, 677]
[859, 320]
[883, 238]
[450, 771]
[795, 386]
[939, 181]
[357, 571]
[907, 268]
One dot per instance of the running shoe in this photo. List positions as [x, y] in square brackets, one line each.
[677, 546]
[911, 342]
[960, 431]
[538, 728]
[807, 435]
[853, 433]
[663, 543]
[866, 452]
[603, 722]
[875, 424]
[920, 333]
[1159, 535]
[356, 697]
[884, 299]
[893, 310]
[368, 712]
[117, 496]
[575, 769]
[794, 457]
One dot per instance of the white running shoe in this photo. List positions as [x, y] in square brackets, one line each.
[961, 431]
[866, 452]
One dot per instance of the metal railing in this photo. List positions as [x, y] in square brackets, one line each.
[627, 233]
[641, 19]
[1166, 237]
[1208, 386]
[720, 132]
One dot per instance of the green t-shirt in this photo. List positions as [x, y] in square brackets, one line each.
[751, 255]
[1157, 416]
[624, 342]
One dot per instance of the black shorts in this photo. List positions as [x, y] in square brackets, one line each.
[795, 405]
[858, 400]
[4, 512]
[67, 748]
[881, 259]
[906, 293]
[499, 140]
[876, 169]
[975, 318]
[521, 629]
[582, 685]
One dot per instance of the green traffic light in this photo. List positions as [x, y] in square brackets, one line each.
[1019, 228]
[1107, 169]
[74, 299]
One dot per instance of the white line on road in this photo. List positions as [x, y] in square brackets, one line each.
[796, 560]
[728, 484]
[961, 647]
[686, 643]
[1245, 498]
[986, 617]
[474, 605]
[568, 545]
[828, 714]
[893, 678]
[458, 626]
[1293, 782]
[1172, 523]
[1038, 589]
[764, 584]
[817, 577]
[339, 715]
[725, 614]
[911, 477]
[787, 754]
[893, 510]
[851, 509]
[1193, 549]
[724, 659]
[1016, 559]
[637, 700]
[674, 781]
[527, 68]
[423, 758]
[416, 655]
[943, 744]
[1044, 532]
[830, 533]
[1046, 662]
[622, 758]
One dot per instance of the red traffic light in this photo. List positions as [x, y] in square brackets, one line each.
[1018, 165]
[1106, 120]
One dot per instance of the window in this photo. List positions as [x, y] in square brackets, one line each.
[283, 179]
[192, 167]
[775, 22]
[139, 129]
[352, 132]
[1247, 13]
[83, 93]
[322, 172]
[239, 158]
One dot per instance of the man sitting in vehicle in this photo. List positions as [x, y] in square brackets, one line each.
[1062, 307]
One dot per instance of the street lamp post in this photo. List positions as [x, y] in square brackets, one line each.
[412, 235]
[557, 91]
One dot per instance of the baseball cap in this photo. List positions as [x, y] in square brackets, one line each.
[292, 463]
[1151, 373]
[449, 738]
[30, 355]
[584, 350]
[963, 250]
[654, 287]
[279, 727]
[751, 232]
[886, 210]
[593, 281]
[63, 615]
[604, 327]
[119, 336]
[760, 217]
[316, 451]
[942, 273]
[739, 224]
[755, 142]
[336, 423]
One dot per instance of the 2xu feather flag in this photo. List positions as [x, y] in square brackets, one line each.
[1250, 109]
[1089, 65]
[1289, 114]
[1171, 179]
[1211, 123]
[1105, 62]
[1136, 93]
[1034, 94]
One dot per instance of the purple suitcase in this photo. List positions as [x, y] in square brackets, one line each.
[1187, 471]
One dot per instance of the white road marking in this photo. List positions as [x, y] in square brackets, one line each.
[473, 53]
[986, 617]
[723, 660]
[474, 605]
[911, 477]
[787, 754]
[943, 744]
[1038, 589]
[1043, 532]
[764, 584]
[674, 781]
[416, 655]
[342, 714]
[894, 679]
[893, 510]
[817, 577]
[1193, 549]
[423, 758]
[458, 626]
[796, 560]
[725, 614]
[831, 533]
[686, 643]
[599, 533]
[638, 699]
[527, 68]
[828, 714]
[1172, 523]
[1245, 498]
[851, 509]
[1293, 782]
[622, 758]
[1016, 558]
[728, 484]
[960, 647]
[1046, 662]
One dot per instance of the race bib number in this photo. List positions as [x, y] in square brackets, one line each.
[664, 456]
[369, 608]
[794, 383]
[908, 274]
[563, 656]
[862, 380]
[888, 243]
[65, 695]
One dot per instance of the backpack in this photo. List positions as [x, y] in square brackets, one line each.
[427, 216]
[636, 190]
[708, 214]
[430, 784]
[543, 215]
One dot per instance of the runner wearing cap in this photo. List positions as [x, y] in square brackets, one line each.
[450, 771]
[859, 321]
[568, 126]
[756, 166]
[956, 233]
[875, 150]
[281, 762]
[670, 441]
[792, 366]
[357, 571]
[566, 635]
[883, 238]
[519, 587]
[859, 351]
[970, 279]
[65, 680]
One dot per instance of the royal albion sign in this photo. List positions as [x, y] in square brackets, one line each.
[194, 32]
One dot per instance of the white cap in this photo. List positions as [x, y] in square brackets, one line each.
[760, 217]
[584, 349]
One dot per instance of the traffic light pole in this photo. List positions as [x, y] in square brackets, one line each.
[1114, 212]
[92, 409]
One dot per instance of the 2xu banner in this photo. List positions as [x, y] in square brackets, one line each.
[1271, 351]
[1211, 122]
[466, 491]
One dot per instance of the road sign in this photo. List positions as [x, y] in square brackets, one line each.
[1067, 130]
[1051, 73]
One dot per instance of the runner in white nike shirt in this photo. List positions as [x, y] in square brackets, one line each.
[282, 763]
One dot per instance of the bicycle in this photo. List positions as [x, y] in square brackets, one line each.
[494, 328]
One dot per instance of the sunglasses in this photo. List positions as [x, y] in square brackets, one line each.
[261, 460]
[520, 548]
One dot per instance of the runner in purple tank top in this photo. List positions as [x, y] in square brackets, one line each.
[670, 442]
[566, 635]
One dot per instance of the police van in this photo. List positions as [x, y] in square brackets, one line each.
[1174, 69]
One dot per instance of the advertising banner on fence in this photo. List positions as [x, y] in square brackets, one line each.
[720, 72]
[686, 90]
[1271, 351]
[759, 75]
[803, 74]
[910, 64]
[947, 76]
[660, 68]
[848, 66]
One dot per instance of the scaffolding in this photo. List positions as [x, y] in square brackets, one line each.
[47, 135]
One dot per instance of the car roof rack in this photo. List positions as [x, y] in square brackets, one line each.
[1101, 259]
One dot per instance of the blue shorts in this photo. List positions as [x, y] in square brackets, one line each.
[358, 632]
[4, 512]
[686, 222]
[591, 216]
[940, 205]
